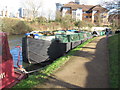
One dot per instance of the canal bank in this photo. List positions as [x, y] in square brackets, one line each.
[87, 68]
[43, 73]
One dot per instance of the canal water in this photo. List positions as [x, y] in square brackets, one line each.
[16, 40]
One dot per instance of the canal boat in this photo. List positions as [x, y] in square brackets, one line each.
[44, 48]
[8, 74]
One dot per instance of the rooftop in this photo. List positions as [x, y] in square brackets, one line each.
[75, 6]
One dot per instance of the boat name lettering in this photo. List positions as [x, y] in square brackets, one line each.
[2, 75]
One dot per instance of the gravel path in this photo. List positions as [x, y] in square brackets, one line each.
[87, 68]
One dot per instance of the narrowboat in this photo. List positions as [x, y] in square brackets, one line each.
[50, 47]
[9, 76]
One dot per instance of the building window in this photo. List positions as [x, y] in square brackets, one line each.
[95, 16]
[74, 13]
[78, 14]
[66, 8]
[86, 16]
[104, 16]
[88, 12]
[84, 11]
[94, 20]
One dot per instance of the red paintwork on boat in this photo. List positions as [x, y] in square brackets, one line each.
[8, 77]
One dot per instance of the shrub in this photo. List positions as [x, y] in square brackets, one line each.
[14, 26]
[21, 27]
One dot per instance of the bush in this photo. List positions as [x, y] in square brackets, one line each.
[40, 20]
[14, 26]
[21, 27]
[81, 24]
[67, 22]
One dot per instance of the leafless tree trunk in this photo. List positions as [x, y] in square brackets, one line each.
[50, 14]
[58, 16]
[32, 7]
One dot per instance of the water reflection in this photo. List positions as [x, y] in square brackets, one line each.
[15, 40]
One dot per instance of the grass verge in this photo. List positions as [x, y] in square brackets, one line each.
[114, 57]
[40, 76]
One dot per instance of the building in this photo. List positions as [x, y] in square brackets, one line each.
[58, 6]
[20, 10]
[114, 18]
[4, 12]
[95, 14]
[25, 13]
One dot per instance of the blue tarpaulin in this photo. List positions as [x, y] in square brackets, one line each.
[15, 54]
[72, 30]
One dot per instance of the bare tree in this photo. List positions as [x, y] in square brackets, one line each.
[111, 4]
[67, 22]
[58, 16]
[32, 7]
[114, 13]
[49, 14]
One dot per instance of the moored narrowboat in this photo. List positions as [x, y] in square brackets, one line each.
[8, 74]
[51, 47]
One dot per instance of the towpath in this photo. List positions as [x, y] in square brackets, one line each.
[87, 68]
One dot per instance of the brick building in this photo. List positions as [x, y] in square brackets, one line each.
[114, 18]
[95, 14]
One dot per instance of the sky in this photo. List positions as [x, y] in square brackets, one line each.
[47, 5]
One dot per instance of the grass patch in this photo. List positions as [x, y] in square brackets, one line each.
[114, 57]
[40, 76]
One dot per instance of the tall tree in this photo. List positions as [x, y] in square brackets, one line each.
[111, 4]
[114, 13]
[67, 22]
[32, 7]
[49, 14]
[58, 16]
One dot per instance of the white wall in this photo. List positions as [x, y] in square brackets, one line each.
[93, 13]
[79, 14]
[74, 14]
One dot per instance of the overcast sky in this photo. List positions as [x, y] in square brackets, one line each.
[13, 5]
